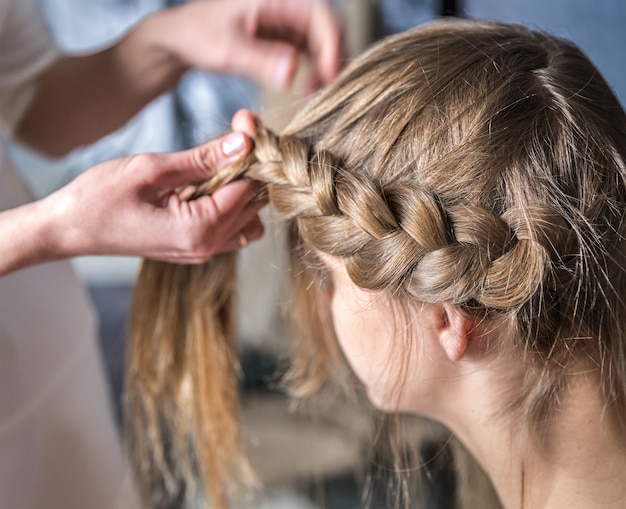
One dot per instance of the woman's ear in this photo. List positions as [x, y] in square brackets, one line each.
[453, 330]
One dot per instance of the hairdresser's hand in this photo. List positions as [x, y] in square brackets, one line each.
[129, 206]
[258, 39]
[82, 98]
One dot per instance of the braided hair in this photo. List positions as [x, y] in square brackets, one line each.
[473, 163]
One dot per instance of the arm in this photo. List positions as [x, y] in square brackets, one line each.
[129, 206]
[83, 98]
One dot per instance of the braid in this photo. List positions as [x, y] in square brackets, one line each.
[498, 262]
[435, 253]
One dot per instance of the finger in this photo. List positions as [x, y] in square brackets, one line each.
[214, 220]
[230, 207]
[325, 41]
[246, 122]
[208, 222]
[202, 162]
[253, 231]
[311, 25]
[247, 214]
[272, 63]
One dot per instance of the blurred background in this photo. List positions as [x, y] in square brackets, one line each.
[304, 461]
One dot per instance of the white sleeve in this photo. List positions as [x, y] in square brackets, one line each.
[26, 48]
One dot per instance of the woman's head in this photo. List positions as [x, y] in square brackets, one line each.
[473, 164]
[479, 167]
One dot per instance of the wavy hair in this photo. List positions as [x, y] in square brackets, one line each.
[465, 162]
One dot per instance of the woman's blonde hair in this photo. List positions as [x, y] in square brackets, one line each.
[478, 164]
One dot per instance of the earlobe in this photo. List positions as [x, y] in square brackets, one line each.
[454, 330]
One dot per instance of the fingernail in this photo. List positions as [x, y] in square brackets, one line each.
[282, 71]
[234, 144]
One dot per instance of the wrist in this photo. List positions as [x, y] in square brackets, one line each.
[32, 239]
[60, 225]
[164, 41]
[149, 63]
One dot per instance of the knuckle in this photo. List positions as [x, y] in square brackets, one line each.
[207, 158]
[151, 164]
[199, 238]
[149, 160]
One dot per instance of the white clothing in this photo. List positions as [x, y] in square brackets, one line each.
[59, 447]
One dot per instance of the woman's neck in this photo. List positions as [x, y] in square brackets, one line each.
[579, 463]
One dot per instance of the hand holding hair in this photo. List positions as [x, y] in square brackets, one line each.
[258, 39]
[130, 206]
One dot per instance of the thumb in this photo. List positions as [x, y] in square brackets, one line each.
[270, 63]
[202, 162]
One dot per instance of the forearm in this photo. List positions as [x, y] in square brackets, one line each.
[80, 99]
